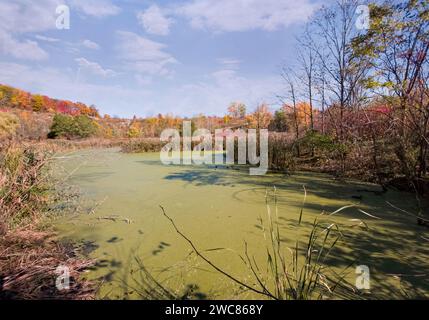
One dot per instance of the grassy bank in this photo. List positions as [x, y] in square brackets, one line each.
[29, 253]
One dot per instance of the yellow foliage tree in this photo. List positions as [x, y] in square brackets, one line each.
[135, 129]
[38, 102]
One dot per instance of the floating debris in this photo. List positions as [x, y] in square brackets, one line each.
[115, 218]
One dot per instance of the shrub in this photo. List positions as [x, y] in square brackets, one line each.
[9, 123]
[62, 126]
[142, 145]
[281, 153]
[322, 143]
[65, 126]
[133, 132]
[84, 127]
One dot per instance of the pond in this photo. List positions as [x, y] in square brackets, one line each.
[220, 210]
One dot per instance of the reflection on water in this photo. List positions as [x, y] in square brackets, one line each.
[219, 207]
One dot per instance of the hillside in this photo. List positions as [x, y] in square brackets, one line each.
[28, 116]
[19, 99]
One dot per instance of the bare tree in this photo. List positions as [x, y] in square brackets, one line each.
[321, 91]
[333, 30]
[307, 59]
[290, 80]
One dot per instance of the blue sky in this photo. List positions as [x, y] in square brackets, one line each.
[138, 57]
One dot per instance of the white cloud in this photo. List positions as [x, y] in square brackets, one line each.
[229, 63]
[96, 8]
[27, 49]
[144, 55]
[211, 96]
[62, 84]
[47, 39]
[94, 67]
[154, 21]
[20, 17]
[224, 76]
[143, 81]
[244, 15]
[90, 44]
[214, 94]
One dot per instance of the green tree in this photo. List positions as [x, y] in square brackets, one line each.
[62, 126]
[83, 126]
[65, 126]
[279, 122]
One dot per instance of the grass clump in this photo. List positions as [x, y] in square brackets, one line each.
[29, 254]
[9, 124]
[23, 185]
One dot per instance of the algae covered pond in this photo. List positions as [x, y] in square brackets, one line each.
[120, 222]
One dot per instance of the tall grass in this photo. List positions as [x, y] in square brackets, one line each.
[29, 254]
[142, 145]
[281, 153]
[9, 124]
[23, 185]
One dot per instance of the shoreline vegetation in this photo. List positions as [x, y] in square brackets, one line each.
[30, 251]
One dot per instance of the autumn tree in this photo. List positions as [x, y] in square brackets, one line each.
[37, 103]
[21, 99]
[261, 117]
[396, 44]
[135, 128]
[49, 104]
[237, 110]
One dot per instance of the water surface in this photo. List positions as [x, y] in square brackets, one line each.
[221, 208]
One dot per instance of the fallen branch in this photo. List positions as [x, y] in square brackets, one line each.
[265, 293]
